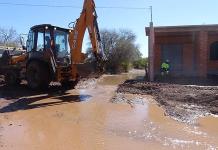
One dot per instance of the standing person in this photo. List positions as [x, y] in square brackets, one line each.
[165, 68]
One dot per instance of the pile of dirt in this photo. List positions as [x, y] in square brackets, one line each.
[183, 103]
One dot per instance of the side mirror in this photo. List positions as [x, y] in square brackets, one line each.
[27, 45]
[22, 43]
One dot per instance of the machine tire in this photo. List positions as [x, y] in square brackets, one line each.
[69, 84]
[37, 75]
[12, 78]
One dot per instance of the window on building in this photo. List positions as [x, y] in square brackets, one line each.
[214, 51]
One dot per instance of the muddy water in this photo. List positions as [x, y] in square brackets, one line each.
[86, 119]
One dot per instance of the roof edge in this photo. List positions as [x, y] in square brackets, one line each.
[183, 28]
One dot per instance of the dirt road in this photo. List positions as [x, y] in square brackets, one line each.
[94, 117]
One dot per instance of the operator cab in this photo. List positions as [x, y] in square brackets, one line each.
[47, 39]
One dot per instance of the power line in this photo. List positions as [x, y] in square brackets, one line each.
[68, 6]
[38, 5]
[112, 7]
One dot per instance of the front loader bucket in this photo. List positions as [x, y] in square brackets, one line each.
[88, 70]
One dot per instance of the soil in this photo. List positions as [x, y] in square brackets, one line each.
[94, 117]
[182, 102]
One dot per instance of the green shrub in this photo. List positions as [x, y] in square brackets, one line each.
[140, 63]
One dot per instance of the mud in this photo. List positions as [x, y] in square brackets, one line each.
[95, 119]
[183, 103]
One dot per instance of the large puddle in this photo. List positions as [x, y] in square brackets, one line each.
[86, 119]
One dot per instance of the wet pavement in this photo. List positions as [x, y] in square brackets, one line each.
[96, 118]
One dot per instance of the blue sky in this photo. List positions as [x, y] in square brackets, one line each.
[165, 13]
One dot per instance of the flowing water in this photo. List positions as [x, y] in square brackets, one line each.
[86, 119]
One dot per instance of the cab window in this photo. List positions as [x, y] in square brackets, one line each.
[30, 41]
[47, 40]
[40, 41]
[43, 40]
[61, 43]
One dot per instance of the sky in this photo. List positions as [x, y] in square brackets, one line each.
[165, 13]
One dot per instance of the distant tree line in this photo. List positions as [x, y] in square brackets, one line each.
[9, 37]
[121, 50]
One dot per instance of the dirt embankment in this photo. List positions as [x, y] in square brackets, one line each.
[183, 103]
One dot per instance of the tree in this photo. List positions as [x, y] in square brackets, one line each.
[140, 63]
[120, 49]
[9, 37]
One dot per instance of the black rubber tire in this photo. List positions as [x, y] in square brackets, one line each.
[69, 84]
[12, 78]
[37, 75]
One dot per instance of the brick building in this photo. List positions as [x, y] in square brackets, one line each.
[191, 50]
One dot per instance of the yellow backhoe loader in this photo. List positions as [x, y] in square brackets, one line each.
[53, 53]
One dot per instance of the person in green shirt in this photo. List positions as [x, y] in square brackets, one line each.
[165, 68]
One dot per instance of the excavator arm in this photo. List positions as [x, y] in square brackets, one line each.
[87, 20]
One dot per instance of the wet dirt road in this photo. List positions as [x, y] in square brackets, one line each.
[86, 119]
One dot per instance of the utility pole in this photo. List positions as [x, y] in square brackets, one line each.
[151, 48]
[151, 9]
